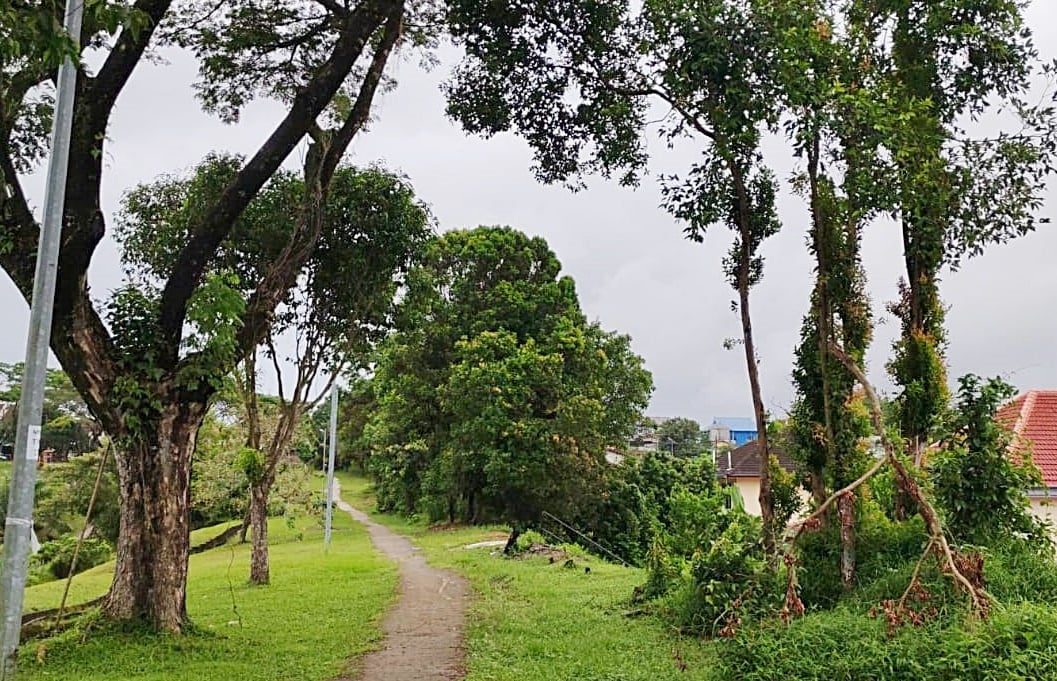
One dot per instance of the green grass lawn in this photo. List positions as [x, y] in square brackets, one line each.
[533, 621]
[320, 611]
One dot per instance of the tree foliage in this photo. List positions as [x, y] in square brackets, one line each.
[680, 436]
[957, 192]
[496, 399]
[66, 424]
[224, 469]
[980, 483]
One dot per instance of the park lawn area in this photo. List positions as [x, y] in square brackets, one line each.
[532, 620]
[320, 611]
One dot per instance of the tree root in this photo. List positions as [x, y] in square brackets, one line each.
[34, 624]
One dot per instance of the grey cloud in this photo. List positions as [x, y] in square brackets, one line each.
[634, 271]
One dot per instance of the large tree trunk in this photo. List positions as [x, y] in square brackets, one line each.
[150, 578]
[259, 566]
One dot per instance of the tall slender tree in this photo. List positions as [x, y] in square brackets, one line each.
[714, 67]
[947, 61]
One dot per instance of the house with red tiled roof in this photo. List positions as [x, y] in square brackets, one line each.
[1033, 418]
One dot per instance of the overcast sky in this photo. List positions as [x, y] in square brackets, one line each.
[634, 271]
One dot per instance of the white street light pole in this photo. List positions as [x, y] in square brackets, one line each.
[18, 528]
[330, 463]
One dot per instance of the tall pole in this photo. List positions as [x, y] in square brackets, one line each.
[18, 527]
[323, 460]
[330, 462]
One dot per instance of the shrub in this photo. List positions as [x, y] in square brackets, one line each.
[528, 539]
[981, 489]
[56, 556]
[1015, 643]
[709, 563]
[884, 549]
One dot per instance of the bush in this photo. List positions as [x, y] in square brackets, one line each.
[1015, 643]
[710, 567]
[56, 556]
[884, 549]
[980, 488]
[528, 539]
[621, 520]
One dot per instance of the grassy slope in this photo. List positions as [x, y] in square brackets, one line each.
[319, 611]
[536, 621]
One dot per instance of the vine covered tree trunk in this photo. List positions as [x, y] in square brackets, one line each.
[150, 578]
[258, 515]
[846, 513]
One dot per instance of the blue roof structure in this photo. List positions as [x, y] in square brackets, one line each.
[739, 423]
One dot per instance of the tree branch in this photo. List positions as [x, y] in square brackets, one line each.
[361, 109]
[916, 573]
[978, 595]
[307, 105]
[18, 222]
[813, 519]
[123, 58]
[278, 370]
[339, 10]
[314, 402]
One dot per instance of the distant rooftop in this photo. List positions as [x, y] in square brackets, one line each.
[745, 461]
[735, 422]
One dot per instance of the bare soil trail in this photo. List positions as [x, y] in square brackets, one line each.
[424, 629]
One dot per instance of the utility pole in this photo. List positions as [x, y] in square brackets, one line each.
[18, 528]
[323, 459]
[330, 462]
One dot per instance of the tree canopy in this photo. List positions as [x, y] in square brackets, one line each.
[496, 399]
[681, 437]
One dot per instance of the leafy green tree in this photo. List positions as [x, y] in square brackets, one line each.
[496, 400]
[980, 487]
[356, 404]
[66, 424]
[680, 436]
[369, 228]
[716, 67]
[148, 371]
[958, 193]
[224, 468]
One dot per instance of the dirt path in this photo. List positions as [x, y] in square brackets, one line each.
[423, 631]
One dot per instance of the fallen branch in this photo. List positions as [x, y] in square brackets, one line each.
[793, 605]
[914, 576]
[981, 600]
[813, 520]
